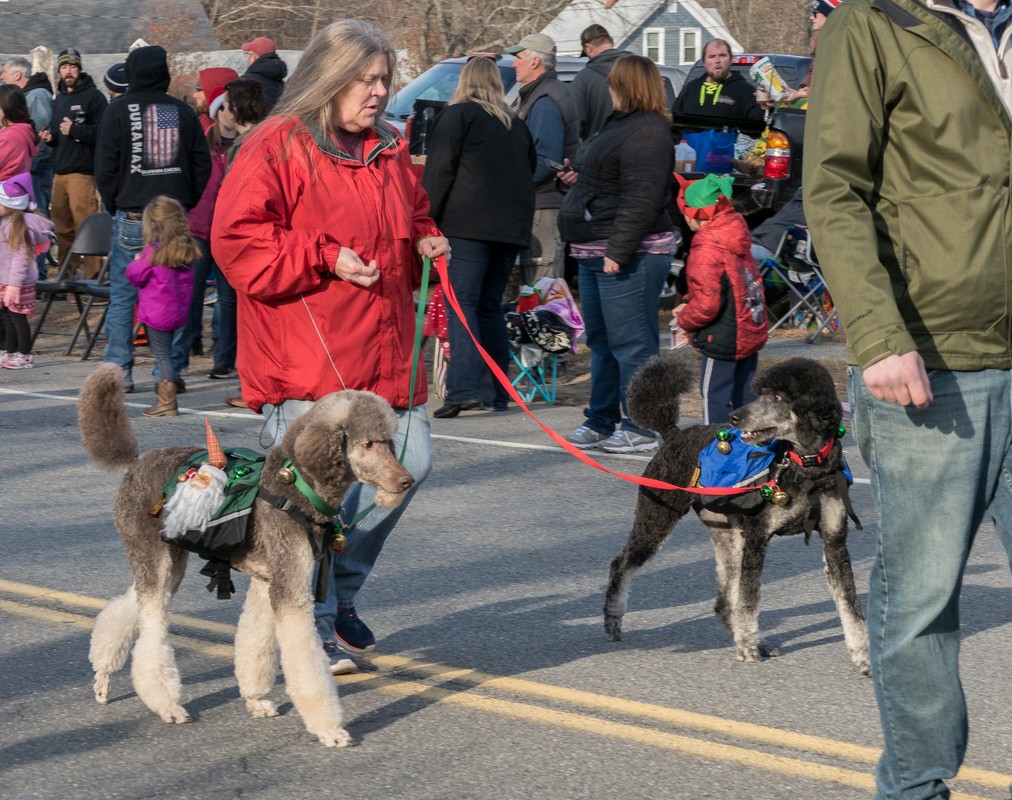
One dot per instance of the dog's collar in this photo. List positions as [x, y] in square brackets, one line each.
[290, 474]
[813, 459]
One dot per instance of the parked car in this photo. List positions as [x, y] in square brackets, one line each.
[419, 102]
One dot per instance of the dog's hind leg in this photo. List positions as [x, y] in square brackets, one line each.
[256, 650]
[153, 666]
[656, 516]
[307, 675]
[840, 576]
[745, 618]
[114, 632]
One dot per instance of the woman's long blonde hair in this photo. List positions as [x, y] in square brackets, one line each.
[164, 225]
[481, 83]
[333, 59]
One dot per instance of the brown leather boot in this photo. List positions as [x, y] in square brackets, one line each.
[166, 405]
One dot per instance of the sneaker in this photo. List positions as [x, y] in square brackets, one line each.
[339, 662]
[17, 361]
[585, 438]
[220, 372]
[352, 634]
[211, 299]
[628, 442]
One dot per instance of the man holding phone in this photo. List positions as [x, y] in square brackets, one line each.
[547, 107]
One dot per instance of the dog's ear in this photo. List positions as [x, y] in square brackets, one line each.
[319, 449]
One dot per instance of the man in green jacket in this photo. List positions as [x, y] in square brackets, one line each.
[907, 175]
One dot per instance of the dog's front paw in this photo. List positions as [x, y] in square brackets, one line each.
[863, 664]
[101, 687]
[260, 709]
[174, 714]
[757, 652]
[613, 627]
[338, 737]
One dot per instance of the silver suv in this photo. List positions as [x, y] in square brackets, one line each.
[433, 89]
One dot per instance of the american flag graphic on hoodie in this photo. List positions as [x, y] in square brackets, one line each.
[161, 135]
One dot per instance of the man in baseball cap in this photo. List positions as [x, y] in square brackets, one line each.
[265, 66]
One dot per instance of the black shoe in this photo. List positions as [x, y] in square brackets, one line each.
[493, 407]
[220, 372]
[451, 410]
[352, 634]
[180, 386]
[197, 348]
[128, 387]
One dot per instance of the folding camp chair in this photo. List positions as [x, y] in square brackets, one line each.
[796, 269]
[94, 238]
[538, 372]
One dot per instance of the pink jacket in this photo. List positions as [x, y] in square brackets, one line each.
[17, 266]
[163, 293]
[202, 214]
[18, 144]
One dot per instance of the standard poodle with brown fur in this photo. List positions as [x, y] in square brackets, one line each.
[797, 406]
[345, 437]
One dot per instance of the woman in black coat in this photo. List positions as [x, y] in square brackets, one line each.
[478, 177]
[615, 219]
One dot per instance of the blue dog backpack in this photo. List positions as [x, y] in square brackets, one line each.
[744, 465]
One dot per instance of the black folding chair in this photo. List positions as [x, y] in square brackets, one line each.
[94, 238]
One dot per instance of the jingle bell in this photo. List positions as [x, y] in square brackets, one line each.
[766, 492]
[286, 476]
[339, 542]
[723, 448]
[780, 498]
[840, 431]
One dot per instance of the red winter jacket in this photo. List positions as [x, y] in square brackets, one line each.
[290, 201]
[726, 309]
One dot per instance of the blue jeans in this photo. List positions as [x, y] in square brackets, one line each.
[127, 242]
[350, 568]
[225, 344]
[935, 475]
[620, 312]
[42, 185]
[193, 329]
[160, 343]
[478, 274]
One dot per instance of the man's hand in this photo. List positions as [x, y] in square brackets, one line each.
[45, 135]
[65, 126]
[432, 246]
[350, 267]
[899, 379]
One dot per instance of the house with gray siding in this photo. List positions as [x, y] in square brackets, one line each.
[667, 32]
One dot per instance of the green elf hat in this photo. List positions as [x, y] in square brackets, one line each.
[703, 198]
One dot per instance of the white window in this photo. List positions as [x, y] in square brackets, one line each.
[653, 44]
[688, 47]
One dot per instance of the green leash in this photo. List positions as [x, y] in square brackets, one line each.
[415, 354]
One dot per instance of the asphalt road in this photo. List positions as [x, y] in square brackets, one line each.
[493, 677]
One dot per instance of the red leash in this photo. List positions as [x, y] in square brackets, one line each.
[574, 451]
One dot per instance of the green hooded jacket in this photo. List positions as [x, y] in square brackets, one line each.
[906, 172]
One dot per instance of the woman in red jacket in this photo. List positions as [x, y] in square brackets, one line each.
[320, 226]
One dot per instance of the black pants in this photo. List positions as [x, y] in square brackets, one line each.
[17, 336]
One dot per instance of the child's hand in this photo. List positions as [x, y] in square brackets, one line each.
[12, 295]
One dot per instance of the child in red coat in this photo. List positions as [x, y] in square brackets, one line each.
[724, 315]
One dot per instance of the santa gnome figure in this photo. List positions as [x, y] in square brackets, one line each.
[193, 504]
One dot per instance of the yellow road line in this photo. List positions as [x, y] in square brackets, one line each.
[685, 719]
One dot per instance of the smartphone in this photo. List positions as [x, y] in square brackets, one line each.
[556, 166]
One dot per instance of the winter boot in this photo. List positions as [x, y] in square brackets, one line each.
[166, 404]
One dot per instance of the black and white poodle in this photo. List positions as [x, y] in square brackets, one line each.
[797, 406]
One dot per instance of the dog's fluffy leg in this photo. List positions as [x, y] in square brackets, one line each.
[654, 522]
[727, 542]
[153, 666]
[745, 619]
[307, 675]
[840, 576]
[114, 632]
[256, 650]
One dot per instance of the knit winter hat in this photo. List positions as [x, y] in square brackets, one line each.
[17, 193]
[68, 56]
[701, 199]
[115, 78]
[824, 7]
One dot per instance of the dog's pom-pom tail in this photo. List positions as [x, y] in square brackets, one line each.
[105, 427]
[654, 391]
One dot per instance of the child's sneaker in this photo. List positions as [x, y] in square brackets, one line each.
[17, 361]
[352, 634]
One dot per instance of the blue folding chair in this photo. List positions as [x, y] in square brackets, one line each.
[538, 372]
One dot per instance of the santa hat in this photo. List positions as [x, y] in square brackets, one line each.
[824, 7]
[215, 100]
[17, 193]
[702, 199]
